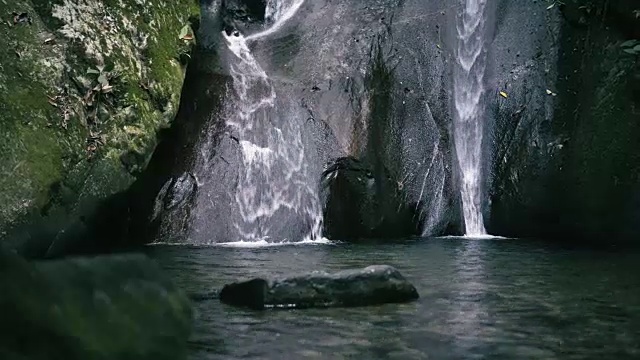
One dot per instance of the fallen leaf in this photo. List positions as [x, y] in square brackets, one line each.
[53, 103]
[504, 94]
[48, 41]
[629, 43]
[184, 32]
[102, 79]
[549, 92]
[133, 130]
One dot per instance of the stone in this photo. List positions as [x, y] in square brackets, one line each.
[176, 192]
[364, 204]
[112, 307]
[373, 285]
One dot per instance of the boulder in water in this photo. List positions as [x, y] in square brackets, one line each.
[374, 285]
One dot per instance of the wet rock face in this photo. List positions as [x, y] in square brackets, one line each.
[243, 14]
[366, 94]
[176, 192]
[374, 285]
[565, 162]
[361, 205]
[172, 208]
[117, 307]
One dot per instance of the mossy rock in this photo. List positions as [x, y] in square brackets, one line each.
[116, 307]
[66, 135]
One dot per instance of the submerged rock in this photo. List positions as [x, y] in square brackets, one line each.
[116, 307]
[374, 285]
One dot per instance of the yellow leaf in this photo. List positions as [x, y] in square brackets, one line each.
[504, 94]
[133, 130]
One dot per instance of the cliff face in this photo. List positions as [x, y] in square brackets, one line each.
[566, 162]
[352, 81]
[373, 82]
[84, 87]
[365, 89]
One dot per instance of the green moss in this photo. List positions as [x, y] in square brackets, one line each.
[39, 148]
[30, 153]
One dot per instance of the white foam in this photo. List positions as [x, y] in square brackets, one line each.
[264, 244]
[253, 152]
[280, 14]
[474, 237]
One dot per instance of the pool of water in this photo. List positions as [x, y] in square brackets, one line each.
[479, 299]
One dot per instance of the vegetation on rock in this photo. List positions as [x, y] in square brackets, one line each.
[84, 87]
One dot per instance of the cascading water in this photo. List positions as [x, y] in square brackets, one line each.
[469, 76]
[274, 181]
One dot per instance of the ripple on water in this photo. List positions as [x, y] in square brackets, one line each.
[496, 299]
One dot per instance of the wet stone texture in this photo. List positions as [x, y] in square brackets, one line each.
[373, 285]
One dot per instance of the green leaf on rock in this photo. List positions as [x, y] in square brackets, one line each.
[630, 51]
[184, 32]
[93, 71]
[629, 43]
[102, 79]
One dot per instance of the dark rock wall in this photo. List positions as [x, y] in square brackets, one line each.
[566, 164]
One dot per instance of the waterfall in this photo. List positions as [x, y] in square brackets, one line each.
[469, 76]
[274, 182]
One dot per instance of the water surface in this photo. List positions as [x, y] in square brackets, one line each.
[480, 299]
